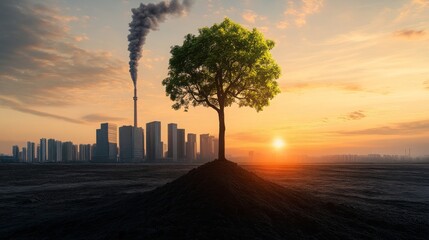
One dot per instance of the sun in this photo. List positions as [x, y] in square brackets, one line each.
[278, 143]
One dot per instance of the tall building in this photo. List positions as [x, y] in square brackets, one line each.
[52, 150]
[93, 151]
[42, 150]
[154, 148]
[67, 155]
[30, 151]
[181, 144]
[172, 141]
[209, 147]
[24, 154]
[84, 152]
[131, 144]
[58, 151]
[15, 152]
[191, 147]
[75, 152]
[37, 157]
[106, 150]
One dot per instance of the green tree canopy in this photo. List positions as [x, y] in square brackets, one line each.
[224, 64]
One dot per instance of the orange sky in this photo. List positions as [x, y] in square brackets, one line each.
[355, 74]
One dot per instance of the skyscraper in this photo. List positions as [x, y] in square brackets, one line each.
[30, 151]
[191, 147]
[58, 151]
[15, 152]
[75, 152]
[24, 154]
[52, 150]
[172, 141]
[67, 155]
[106, 150]
[37, 157]
[84, 152]
[208, 147]
[93, 151]
[42, 150]
[154, 147]
[181, 147]
[131, 144]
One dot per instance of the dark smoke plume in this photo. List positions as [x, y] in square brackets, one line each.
[146, 18]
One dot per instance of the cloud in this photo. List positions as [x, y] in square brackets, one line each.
[11, 104]
[298, 13]
[349, 87]
[404, 128]
[426, 84]
[80, 38]
[251, 138]
[249, 16]
[20, 108]
[356, 115]
[421, 3]
[410, 34]
[101, 118]
[39, 61]
[282, 25]
[412, 9]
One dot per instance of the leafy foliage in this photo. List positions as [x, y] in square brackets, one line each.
[224, 64]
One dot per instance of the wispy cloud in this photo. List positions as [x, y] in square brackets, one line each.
[39, 61]
[348, 87]
[356, 115]
[404, 128]
[410, 34]
[101, 118]
[426, 84]
[298, 12]
[249, 16]
[412, 9]
[21, 108]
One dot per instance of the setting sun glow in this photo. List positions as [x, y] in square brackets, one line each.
[278, 143]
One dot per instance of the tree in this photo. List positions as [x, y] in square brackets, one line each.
[224, 64]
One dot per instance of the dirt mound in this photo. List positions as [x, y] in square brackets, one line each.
[218, 200]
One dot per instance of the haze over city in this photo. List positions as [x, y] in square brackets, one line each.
[354, 74]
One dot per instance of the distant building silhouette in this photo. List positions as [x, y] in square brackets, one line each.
[131, 144]
[191, 147]
[93, 151]
[24, 154]
[208, 147]
[30, 152]
[106, 143]
[84, 152]
[52, 150]
[42, 150]
[37, 157]
[181, 144]
[58, 151]
[75, 152]
[172, 141]
[154, 146]
[67, 151]
[15, 152]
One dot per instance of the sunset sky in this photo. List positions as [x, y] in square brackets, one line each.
[355, 74]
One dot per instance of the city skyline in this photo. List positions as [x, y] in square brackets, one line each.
[360, 87]
[126, 147]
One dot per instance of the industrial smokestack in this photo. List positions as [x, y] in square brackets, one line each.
[146, 18]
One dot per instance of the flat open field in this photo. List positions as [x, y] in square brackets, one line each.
[33, 194]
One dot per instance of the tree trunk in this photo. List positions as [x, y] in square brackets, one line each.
[221, 153]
